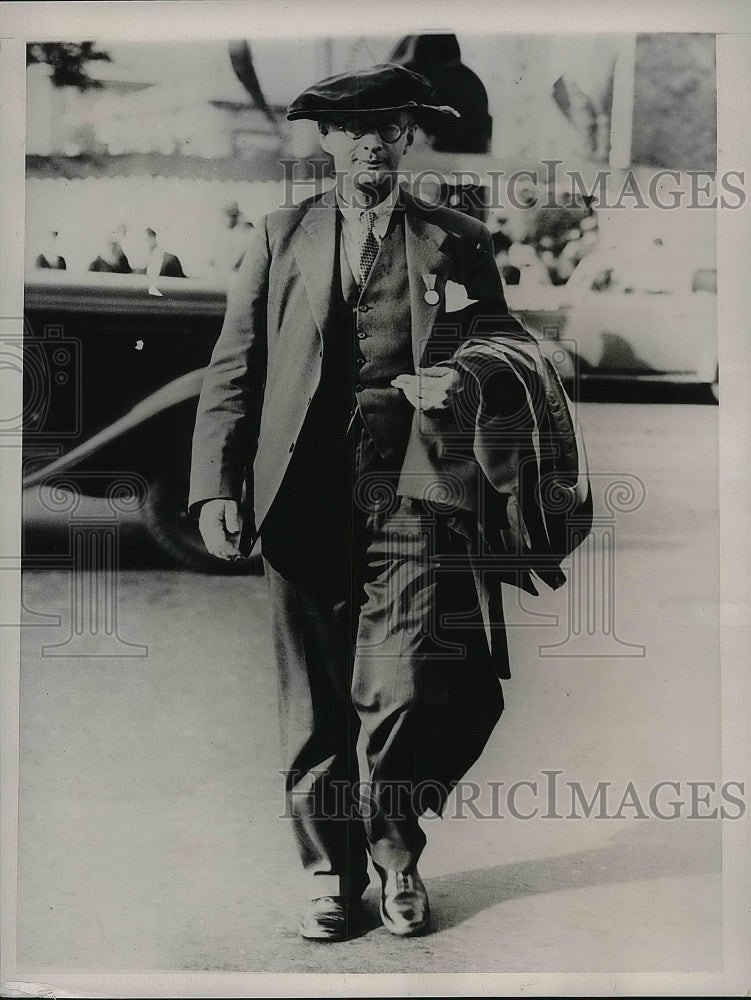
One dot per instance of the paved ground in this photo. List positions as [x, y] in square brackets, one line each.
[149, 836]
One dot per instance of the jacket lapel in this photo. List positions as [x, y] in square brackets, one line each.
[425, 256]
[315, 253]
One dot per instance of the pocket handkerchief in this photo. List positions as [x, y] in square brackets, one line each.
[456, 297]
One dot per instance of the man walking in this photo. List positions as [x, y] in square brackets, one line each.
[328, 393]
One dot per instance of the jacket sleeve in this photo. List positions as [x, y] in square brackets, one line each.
[229, 406]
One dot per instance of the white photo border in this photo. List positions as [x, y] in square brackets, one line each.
[731, 22]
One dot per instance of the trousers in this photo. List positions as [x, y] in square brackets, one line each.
[379, 638]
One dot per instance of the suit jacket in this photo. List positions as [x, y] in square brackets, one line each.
[266, 365]
[121, 264]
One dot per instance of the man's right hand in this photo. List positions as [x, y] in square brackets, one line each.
[220, 523]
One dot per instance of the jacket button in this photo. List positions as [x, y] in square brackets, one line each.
[292, 446]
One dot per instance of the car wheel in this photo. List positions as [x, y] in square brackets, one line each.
[176, 532]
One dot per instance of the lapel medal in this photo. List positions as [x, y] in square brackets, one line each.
[431, 295]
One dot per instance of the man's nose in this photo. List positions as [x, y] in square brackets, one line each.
[372, 140]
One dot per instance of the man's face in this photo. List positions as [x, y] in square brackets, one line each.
[368, 161]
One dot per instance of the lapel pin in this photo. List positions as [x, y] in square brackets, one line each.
[431, 295]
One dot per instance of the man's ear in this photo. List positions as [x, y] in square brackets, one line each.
[410, 136]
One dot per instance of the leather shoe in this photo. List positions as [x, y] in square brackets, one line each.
[405, 909]
[326, 919]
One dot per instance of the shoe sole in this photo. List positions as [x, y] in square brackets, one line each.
[309, 936]
[415, 931]
[321, 934]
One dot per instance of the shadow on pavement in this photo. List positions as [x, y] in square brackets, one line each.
[676, 849]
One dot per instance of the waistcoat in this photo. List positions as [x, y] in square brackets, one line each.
[377, 321]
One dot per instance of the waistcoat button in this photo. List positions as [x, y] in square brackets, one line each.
[363, 308]
[361, 335]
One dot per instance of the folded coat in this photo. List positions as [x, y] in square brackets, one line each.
[511, 454]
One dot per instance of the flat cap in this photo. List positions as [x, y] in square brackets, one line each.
[385, 87]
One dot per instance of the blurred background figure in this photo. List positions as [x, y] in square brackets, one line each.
[509, 272]
[500, 234]
[50, 256]
[120, 235]
[579, 241]
[525, 265]
[231, 242]
[571, 253]
[502, 237]
[112, 256]
[153, 260]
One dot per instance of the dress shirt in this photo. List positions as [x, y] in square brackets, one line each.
[155, 261]
[352, 228]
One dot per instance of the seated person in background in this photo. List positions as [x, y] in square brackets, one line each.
[112, 256]
[524, 266]
[112, 259]
[501, 236]
[158, 262]
[50, 257]
[509, 272]
[231, 242]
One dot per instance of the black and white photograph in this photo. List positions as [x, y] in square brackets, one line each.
[375, 445]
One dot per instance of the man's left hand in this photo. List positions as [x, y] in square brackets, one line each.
[431, 390]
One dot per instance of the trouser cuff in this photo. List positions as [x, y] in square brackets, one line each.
[334, 885]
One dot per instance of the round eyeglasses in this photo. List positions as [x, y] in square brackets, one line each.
[387, 132]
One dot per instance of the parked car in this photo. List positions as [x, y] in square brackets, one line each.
[643, 316]
[113, 366]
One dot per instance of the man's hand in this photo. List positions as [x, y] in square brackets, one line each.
[431, 390]
[220, 524]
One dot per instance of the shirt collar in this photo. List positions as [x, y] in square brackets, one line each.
[383, 212]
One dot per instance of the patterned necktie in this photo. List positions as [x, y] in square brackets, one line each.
[369, 249]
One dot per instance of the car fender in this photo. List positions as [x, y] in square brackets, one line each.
[180, 390]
